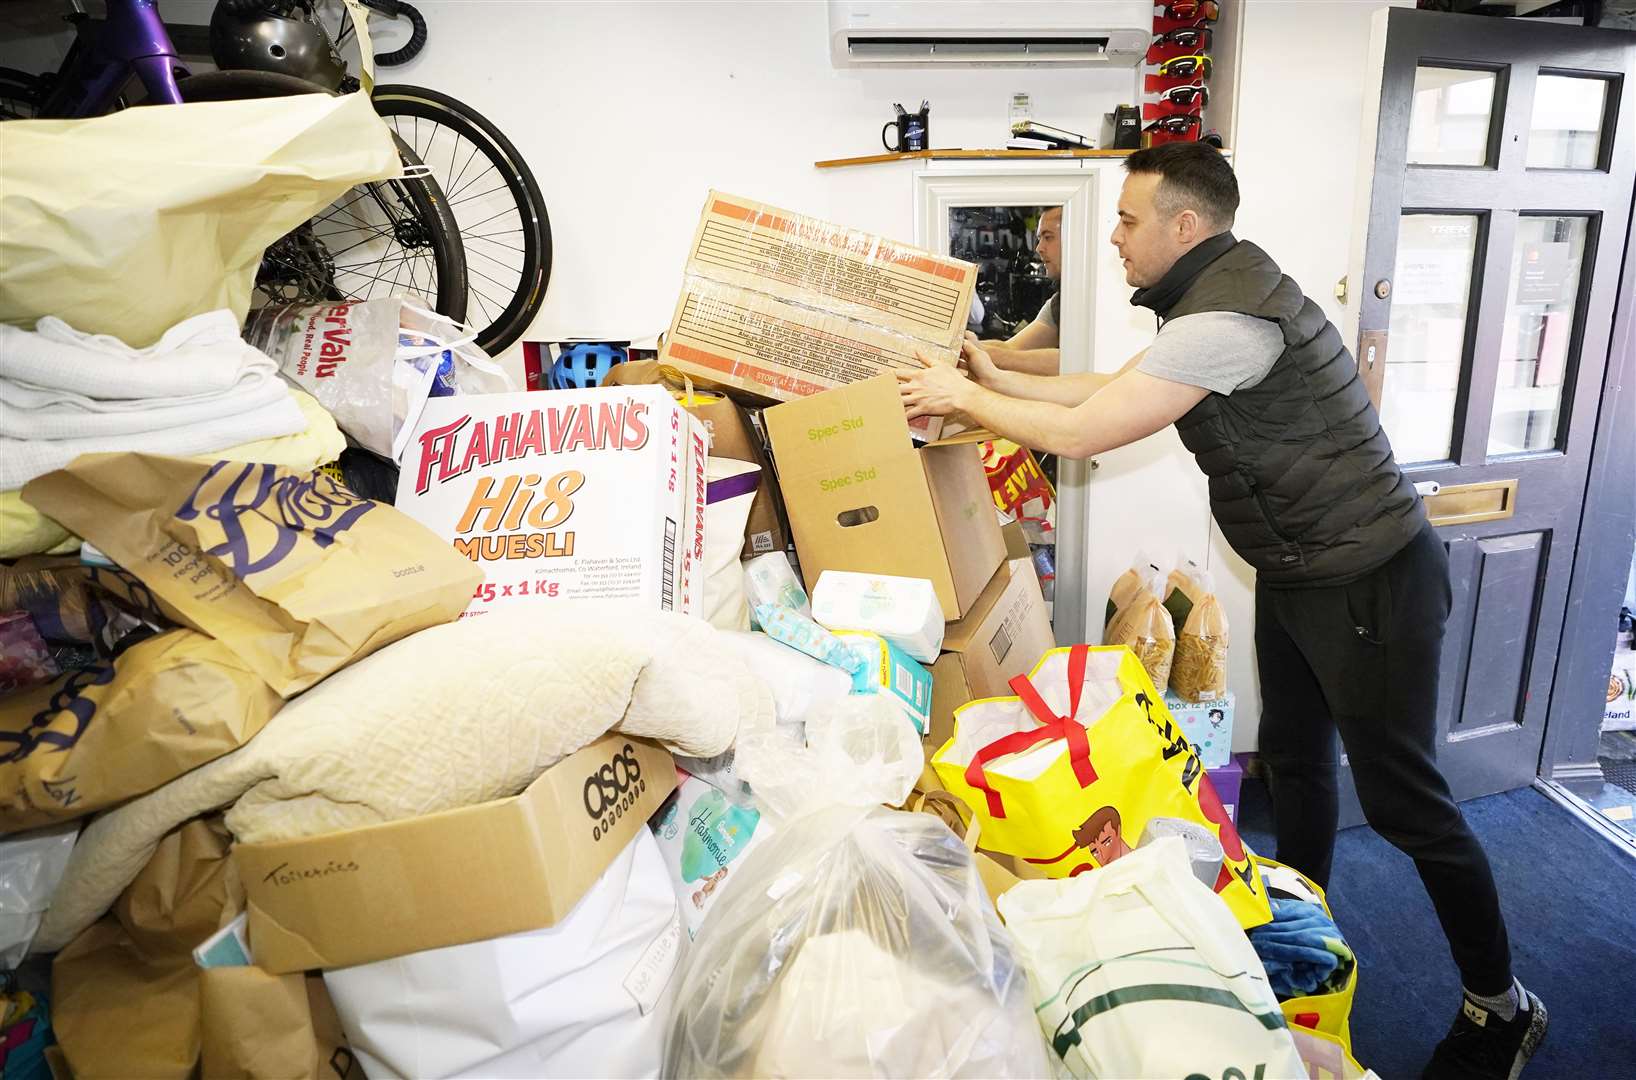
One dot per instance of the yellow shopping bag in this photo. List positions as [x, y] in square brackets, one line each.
[1067, 774]
[1328, 1014]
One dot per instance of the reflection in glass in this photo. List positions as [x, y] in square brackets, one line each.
[1539, 324]
[1448, 124]
[1566, 132]
[1431, 285]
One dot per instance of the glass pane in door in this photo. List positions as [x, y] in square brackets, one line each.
[1539, 325]
[1431, 286]
[1566, 131]
[1448, 123]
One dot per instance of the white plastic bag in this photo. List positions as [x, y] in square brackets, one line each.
[590, 996]
[31, 864]
[1138, 969]
[856, 941]
[373, 363]
[728, 496]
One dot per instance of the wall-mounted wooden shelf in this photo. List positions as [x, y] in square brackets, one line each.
[956, 155]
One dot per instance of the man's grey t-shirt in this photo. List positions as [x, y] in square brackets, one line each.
[1219, 351]
[1048, 313]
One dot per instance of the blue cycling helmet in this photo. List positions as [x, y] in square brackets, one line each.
[583, 365]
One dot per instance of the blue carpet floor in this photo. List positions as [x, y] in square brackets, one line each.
[1569, 899]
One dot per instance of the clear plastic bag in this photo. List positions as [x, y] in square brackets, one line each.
[31, 865]
[858, 941]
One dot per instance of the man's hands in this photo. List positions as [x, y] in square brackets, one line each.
[939, 389]
[935, 390]
[978, 361]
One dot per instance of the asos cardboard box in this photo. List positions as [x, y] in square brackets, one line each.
[565, 495]
[1004, 636]
[860, 496]
[453, 877]
[783, 306]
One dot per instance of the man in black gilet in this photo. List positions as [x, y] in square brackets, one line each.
[1352, 584]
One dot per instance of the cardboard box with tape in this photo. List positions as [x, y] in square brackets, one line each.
[782, 306]
[860, 496]
[453, 877]
[566, 495]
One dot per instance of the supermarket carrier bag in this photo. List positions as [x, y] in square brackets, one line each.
[1067, 774]
[1138, 970]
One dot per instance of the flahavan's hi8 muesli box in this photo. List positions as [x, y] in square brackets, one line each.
[565, 495]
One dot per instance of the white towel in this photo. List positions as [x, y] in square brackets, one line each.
[21, 460]
[196, 356]
[199, 389]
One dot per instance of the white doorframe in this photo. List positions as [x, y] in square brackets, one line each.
[936, 192]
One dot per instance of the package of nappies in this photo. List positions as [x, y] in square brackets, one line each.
[891, 671]
[903, 610]
[703, 834]
[800, 632]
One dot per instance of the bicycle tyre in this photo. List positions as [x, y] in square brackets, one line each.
[507, 318]
[430, 208]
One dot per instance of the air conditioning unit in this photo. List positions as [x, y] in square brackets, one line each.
[989, 33]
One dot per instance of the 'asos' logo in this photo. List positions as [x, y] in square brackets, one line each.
[605, 787]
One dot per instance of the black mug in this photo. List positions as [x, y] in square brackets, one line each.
[913, 131]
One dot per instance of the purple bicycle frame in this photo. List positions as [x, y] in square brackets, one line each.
[104, 56]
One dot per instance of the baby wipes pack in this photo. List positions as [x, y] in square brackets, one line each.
[703, 835]
[902, 610]
[568, 495]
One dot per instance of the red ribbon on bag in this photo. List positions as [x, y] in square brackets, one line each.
[1051, 727]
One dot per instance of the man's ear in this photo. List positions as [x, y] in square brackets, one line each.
[1188, 226]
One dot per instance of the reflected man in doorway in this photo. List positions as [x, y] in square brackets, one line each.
[1034, 349]
[1352, 583]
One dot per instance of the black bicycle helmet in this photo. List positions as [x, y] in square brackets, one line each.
[281, 37]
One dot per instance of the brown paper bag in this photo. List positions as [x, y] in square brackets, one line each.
[256, 1026]
[1200, 669]
[100, 735]
[292, 571]
[125, 993]
[1144, 625]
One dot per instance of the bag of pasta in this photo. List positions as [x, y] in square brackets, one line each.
[1184, 587]
[1127, 585]
[1199, 671]
[1145, 626]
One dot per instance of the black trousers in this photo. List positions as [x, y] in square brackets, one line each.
[1362, 658]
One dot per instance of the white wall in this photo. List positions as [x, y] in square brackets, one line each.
[630, 112]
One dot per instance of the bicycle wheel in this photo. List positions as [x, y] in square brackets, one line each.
[504, 228]
[385, 238]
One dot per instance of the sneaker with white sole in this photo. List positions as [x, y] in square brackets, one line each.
[1482, 1046]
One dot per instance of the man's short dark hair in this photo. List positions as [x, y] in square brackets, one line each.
[1194, 176]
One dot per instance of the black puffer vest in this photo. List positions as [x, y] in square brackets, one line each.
[1302, 478]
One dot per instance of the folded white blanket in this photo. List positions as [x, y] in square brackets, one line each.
[21, 460]
[198, 390]
[451, 716]
[196, 356]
